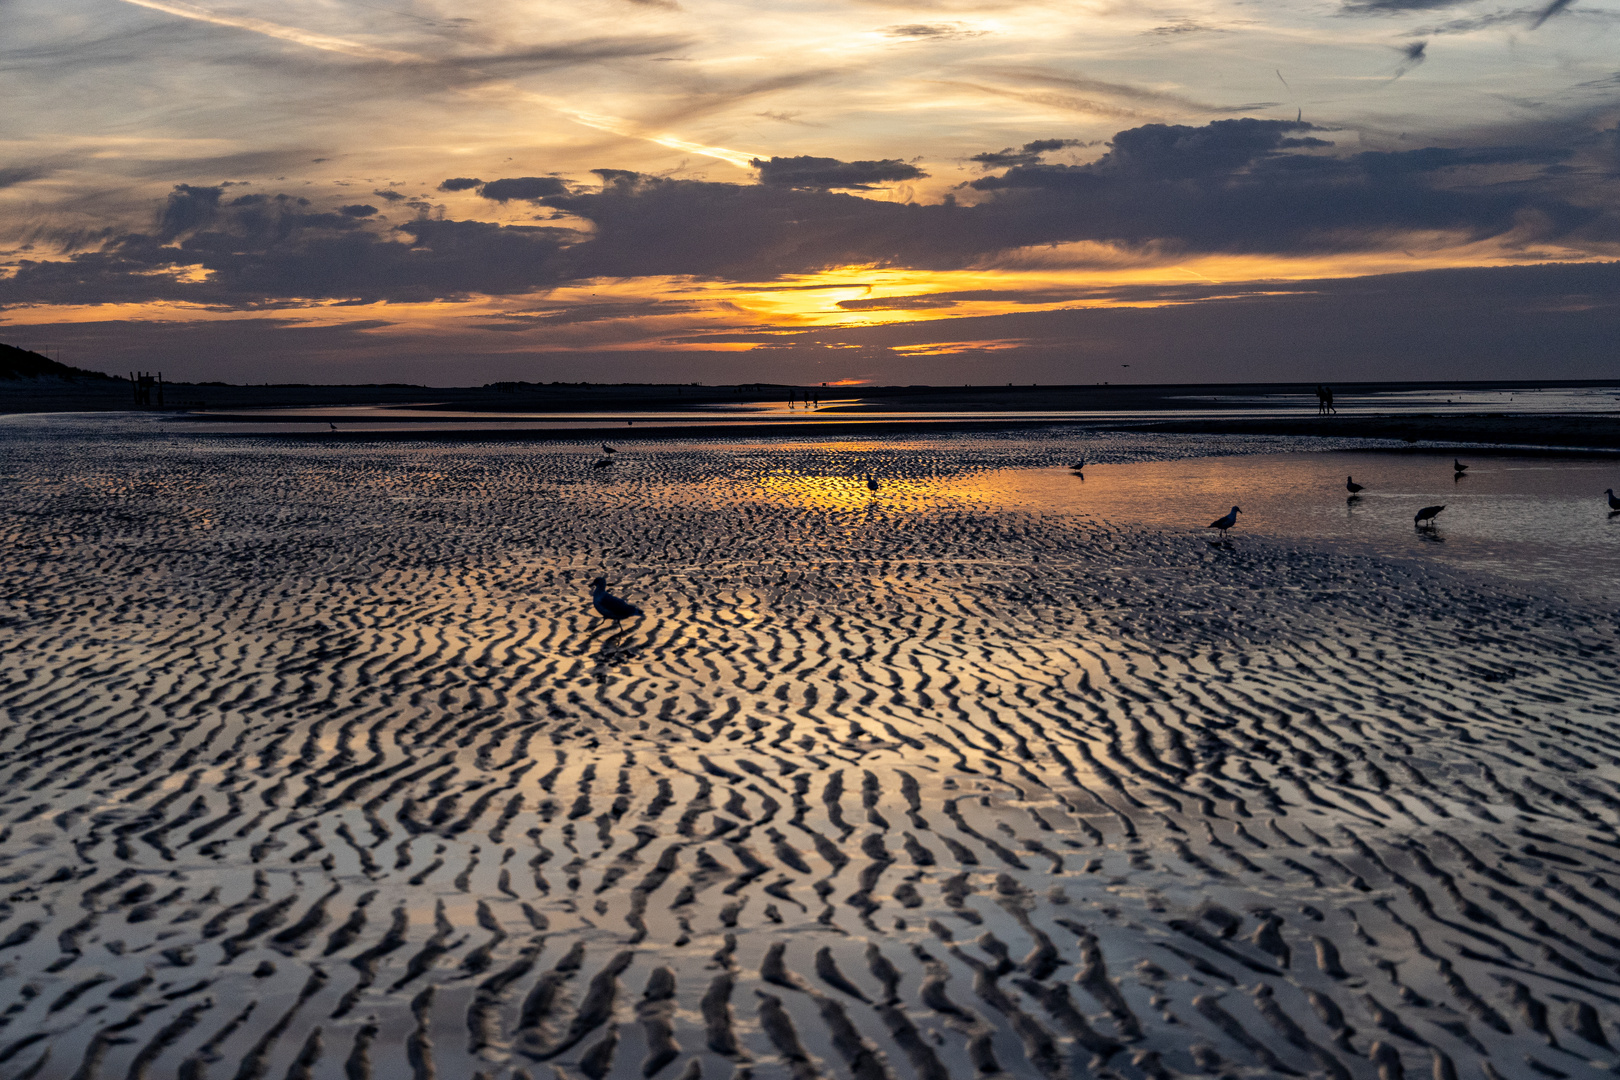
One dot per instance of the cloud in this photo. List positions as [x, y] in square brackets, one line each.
[1411, 56]
[388, 196]
[21, 174]
[1548, 12]
[357, 210]
[460, 183]
[188, 208]
[1394, 7]
[822, 174]
[914, 31]
[261, 251]
[1239, 186]
[526, 188]
[1029, 154]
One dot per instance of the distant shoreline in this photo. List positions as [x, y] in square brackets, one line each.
[1598, 434]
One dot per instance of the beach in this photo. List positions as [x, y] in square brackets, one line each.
[317, 763]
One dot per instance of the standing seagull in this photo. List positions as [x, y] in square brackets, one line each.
[1458, 466]
[1428, 514]
[609, 606]
[1352, 487]
[606, 449]
[871, 483]
[1614, 503]
[1226, 522]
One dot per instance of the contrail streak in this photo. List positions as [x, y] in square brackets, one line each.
[328, 43]
[324, 42]
[622, 127]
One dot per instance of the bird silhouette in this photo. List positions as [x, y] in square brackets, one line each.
[606, 449]
[331, 425]
[1079, 466]
[871, 483]
[609, 606]
[1226, 522]
[1614, 503]
[1458, 466]
[1352, 487]
[1427, 514]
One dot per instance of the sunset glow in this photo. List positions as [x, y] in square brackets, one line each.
[460, 192]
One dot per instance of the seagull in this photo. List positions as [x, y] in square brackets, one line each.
[1079, 466]
[1226, 522]
[871, 483]
[606, 449]
[1614, 503]
[1352, 487]
[331, 425]
[609, 606]
[1428, 513]
[1459, 466]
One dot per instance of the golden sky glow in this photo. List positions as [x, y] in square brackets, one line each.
[361, 118]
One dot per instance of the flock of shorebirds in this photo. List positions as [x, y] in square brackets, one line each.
[616, 609]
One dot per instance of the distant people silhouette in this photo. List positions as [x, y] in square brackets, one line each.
[1324, 400]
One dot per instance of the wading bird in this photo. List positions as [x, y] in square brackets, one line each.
[1226, 522]
[1079, 466]
[1614, 503]
[1427, 514]
[1458, 466]
[609, 606]
[1352, 487]
[871, 483]
[606, 449]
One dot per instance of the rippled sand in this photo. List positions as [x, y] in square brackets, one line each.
[317, 764]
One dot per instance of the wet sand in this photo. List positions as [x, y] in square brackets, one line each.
[317, 764]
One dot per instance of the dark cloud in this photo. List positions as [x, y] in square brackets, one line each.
[268, 251]
[1411, 56]
[1255, 186]
[592, 312]
[1180, 27]
[1548, 12]
[914, 31]
[525, 188]
[21, 174]
[388, 196]
[899, 303]
[1029, 154]
[357, 210]
[823, 174]
[1394, 7]
[460, 183]
[188, 208]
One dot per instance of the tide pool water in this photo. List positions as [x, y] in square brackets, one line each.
[1530, 518]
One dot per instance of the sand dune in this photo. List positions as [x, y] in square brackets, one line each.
[318, 765]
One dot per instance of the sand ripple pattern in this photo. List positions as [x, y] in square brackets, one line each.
[315, 764]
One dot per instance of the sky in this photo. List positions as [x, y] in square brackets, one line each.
[453, 192]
